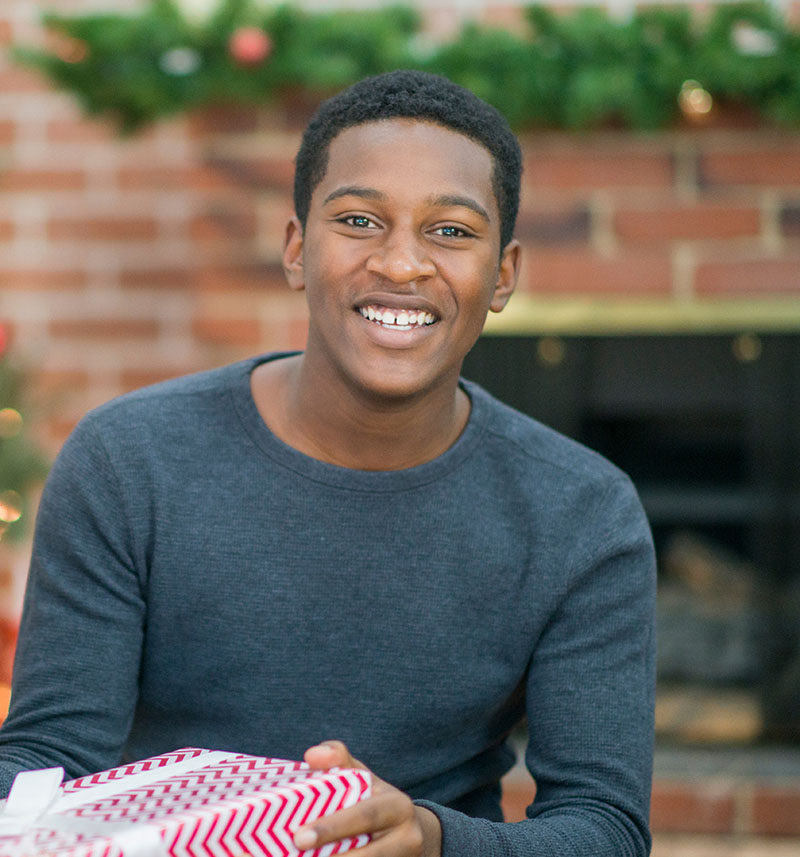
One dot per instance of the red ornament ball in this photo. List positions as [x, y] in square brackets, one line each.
[250, 45]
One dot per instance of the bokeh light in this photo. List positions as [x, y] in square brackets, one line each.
[10, 422]
[695, 101]
[10, 507]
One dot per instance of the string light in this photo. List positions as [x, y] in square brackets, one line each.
[695, 101]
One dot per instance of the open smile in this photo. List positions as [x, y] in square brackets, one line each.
[397, 319]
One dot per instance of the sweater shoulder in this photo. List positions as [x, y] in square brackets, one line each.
[526, 442]
[161, 420]
[159, 399]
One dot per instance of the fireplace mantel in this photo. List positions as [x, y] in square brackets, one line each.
[527, 315]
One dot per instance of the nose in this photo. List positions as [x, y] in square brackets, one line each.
[401, 258]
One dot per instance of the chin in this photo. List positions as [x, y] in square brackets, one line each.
[395, 386]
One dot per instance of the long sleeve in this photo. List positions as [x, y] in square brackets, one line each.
[77, 663]
[590, 696]
[183, 556]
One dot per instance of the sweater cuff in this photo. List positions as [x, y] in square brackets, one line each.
[8, 771]
[464, 835]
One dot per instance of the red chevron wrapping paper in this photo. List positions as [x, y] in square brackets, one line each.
[170, 806]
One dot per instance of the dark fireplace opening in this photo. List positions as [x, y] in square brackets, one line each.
[708, 428]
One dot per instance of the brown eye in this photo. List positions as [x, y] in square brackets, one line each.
[358, 220]
[452, 232]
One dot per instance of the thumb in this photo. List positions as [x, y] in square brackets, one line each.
[330, 754]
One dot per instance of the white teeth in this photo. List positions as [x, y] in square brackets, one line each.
[398, 319]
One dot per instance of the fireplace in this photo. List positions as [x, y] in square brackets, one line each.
[708, 427]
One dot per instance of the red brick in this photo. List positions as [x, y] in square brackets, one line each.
[554, 227]
[258, 174]
[151, 177]
[776, 810]
[103, 229]
[15, 79]
[97, 329]
[691, 808]
[60, 429]
[671, 223]
[158, 278]
[30, 180]
[299, 106]
[748, 276]
[773, 166]
[76, 131]
[592, 170]
[32, 279]
[240, 331]
[6, 32]
[565, 272]
[224, 223]
[51, 381]
[131, 380]
[203, 177]
[8, 132]
[222, 119]
[254, 277]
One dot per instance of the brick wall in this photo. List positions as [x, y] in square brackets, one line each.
[125, 262]
[729, 805]
[682, 215]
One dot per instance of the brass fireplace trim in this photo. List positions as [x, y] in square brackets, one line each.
[527, 315]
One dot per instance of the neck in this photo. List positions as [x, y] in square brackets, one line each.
[347, 427]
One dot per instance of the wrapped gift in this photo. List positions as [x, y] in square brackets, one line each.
[189, 803]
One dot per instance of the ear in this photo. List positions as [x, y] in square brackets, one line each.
[507, 276]
[293, 255]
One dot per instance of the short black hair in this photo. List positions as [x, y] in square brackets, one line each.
[412, 95]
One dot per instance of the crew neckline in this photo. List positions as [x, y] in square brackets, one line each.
[344, 477]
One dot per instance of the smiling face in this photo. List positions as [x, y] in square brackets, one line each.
[400, 258]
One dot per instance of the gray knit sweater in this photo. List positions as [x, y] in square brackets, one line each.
[196, 582]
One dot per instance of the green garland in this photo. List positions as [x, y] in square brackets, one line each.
[581, 70]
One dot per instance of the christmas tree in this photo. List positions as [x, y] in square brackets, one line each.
[22, 464]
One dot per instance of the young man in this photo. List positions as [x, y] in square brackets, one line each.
[351, 550]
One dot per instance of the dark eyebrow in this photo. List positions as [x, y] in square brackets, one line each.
[448, 199]
[354, 190]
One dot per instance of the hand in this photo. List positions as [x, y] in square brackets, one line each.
[398, 828]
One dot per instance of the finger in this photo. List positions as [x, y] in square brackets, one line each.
[405, 841]
[331, 754]
[374, 815]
